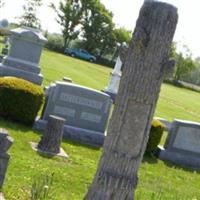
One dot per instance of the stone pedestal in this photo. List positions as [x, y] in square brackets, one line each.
[5, 143]
[24, 54]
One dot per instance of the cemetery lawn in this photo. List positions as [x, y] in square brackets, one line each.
[72, 176]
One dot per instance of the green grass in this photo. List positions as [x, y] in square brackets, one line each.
[74, 175]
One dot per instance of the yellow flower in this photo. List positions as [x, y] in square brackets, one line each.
[157, 123]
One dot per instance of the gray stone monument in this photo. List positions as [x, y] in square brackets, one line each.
[183, 144]
[5, 143]
[52, 137]
[24, 54]
[86, 111]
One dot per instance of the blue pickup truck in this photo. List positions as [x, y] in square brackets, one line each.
[81, 53]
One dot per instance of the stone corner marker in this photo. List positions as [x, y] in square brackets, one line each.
[146, 64]
[5, 143]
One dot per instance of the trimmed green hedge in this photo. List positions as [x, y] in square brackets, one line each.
[20, 100]
[155, 136]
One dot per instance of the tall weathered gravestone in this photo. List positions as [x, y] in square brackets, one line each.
[5, 143]
[183, 144]
[24, 54]
[146, 64]
[115, 76]
[52, 137]
[86, 111]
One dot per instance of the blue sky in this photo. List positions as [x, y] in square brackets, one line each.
[125, 14]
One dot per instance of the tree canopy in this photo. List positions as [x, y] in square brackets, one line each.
[90, 21]
[29, 17]
[69, 15]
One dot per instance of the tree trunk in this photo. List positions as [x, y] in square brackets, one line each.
[52, 137]
[146, 64]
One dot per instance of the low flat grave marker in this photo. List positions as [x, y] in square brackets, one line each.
[86, 111]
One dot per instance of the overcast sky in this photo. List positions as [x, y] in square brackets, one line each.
[125, 14]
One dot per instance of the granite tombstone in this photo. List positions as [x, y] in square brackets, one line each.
[5, 143]
[86, 111]
[24, 54]
[183, 144]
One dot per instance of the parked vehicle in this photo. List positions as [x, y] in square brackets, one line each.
[81, 53]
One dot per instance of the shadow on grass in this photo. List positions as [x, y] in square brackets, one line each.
[45, 155]
[14, 126]
[151, 159]
[181, 167]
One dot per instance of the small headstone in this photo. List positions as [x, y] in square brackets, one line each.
[86, 111]
[52, 137]
[5, 143]
[183, 144]
[67, 79]
[24, 54]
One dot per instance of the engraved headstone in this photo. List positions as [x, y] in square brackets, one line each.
[24, 54]
[86, 111]
[183, 144]
[5, 143]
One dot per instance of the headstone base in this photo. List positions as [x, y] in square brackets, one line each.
[1, 196]
[1, 58]
[10, 71]
[62, 153]
[112, 95]
[184, 160]
[84, 136]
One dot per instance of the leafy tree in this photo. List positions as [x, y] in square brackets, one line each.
[122, 35]
[29, 17]
[69, 14]
[194, 76]
[173, 53]
[184, 65]
[97, 27]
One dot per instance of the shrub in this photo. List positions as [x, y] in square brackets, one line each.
[155, 136]
[20, 100]
[55, 43]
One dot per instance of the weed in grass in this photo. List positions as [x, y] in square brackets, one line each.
[41, 188]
